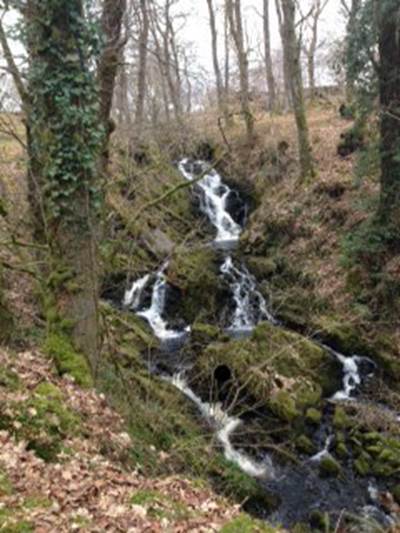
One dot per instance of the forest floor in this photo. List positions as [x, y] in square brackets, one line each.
[87, 485]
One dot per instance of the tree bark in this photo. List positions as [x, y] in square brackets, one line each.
[291, 51]
[67, 183]
[389, 90]
[111, 25]
[236, 26]
[268, 59]
[287, 93]
[141, 83]
[214, 48]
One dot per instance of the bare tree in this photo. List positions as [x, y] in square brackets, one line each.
[291, 49]
[311, 47]
[268, 58]
[214, 48]
[287, 97]
[111, 24]
[236, 27]
[142, 71]
[351, 9]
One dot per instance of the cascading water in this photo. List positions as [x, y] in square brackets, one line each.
[155, 313]
[214, 198]
[248, 309]
[250, 304]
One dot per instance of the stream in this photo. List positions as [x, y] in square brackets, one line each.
[299, 487]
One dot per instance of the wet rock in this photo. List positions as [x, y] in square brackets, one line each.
[278, 368]
[195, 273]
[159, 242]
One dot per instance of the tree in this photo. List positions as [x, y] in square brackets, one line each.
[111, 25]
[236, 26]
[67, 140]
[291, 50]
[388, 23]
[141, 79]
[268, 58]
[287, 95]
[318, 7]
[214, 48]
[351, 9]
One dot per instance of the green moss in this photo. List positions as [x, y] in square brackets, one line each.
[313, 415]
[329, 467]
[159, 505]
[271, 356]
[262, 267]
[67, 360]
[362, 465]
[246, 524]
[284, 406]
[6, 487]
[305, 445]
[345, 336]
[340, 418]
[9, 379]
[341, 449]
[43, 421]
[35, 502]
[195, 273]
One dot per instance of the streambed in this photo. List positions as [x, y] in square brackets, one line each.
[300, 488]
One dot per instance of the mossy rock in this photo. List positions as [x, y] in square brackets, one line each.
[68, 360]
[340, 418]
[362, 465]
[329, 467]
[305, 445]
[313, 416]
[195, 273]
[280, 368]
[204, 334]
[342, 336]
[261, 267]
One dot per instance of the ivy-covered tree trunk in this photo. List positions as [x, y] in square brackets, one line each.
[65, 146]
[389, 89]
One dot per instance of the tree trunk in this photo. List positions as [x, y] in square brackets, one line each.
[65, 143]
[389, 89]
[291, 51]
[214, 48]
[236, 25]
[287, 92]
[141, 83]
[268, 60]
[111, 25]
[350, 28]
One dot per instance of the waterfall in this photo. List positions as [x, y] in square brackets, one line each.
[249, 308]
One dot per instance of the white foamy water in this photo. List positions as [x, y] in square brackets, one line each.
[133, 296]
[214, 201]
[154, 314]
[250, 305]
[352, 378]
[225, 427]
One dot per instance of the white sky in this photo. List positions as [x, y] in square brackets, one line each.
[197, 28]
